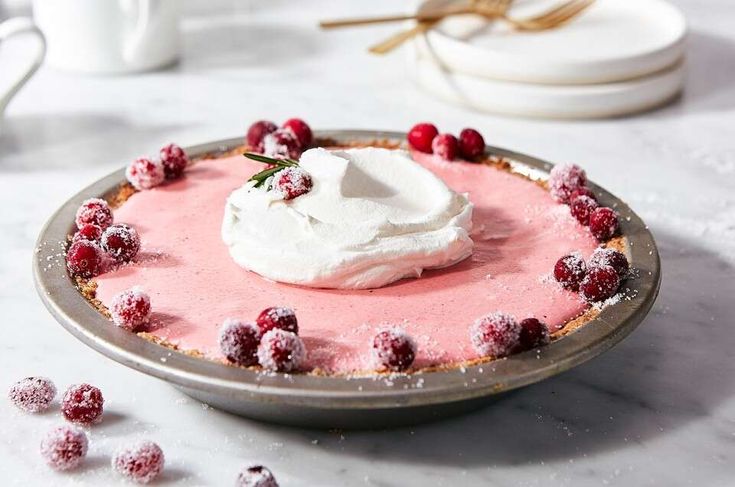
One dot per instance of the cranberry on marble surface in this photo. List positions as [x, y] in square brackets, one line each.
[32, 394]
[64, 447]
[82, 404]
[141, 462]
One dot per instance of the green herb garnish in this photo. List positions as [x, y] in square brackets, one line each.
[279, 165]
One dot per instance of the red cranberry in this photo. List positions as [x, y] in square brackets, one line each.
[292, 182]
[257, 131]
[256, 476]
[140, 463]
[564, 179]
[281, 351]
[421, 136]
[174, 161]
[570, 270]
[82, 403]
[121, 242]
[495, 335]
[611, 257]
[583, 191]
[603, 223]
[393, 349]
[94, 211]
[301, 130]
[445, 146]
[281, 144]
[89, 232]
[534, 334]
[582, 207]
[283, 318]
[131, 309]
[471, 144]
[144, 173]
[600, 283]
[32, 394]
[64, 447]
[84, 258]
[238, 341]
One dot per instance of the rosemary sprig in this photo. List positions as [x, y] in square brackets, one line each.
[279, 164]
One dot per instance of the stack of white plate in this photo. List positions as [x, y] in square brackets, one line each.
[618, 57]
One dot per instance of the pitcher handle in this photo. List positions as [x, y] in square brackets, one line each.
[133, 45]
[13, 27]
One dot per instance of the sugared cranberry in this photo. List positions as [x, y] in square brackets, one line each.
[281, 144]
[583, 191]
[140, 463]
[144, 173]
[471, 144]
[256, 476]
[421, 136]
[611, 257]
[570, 270]
[564, 179]
[393, 349]
[292, 182]
[174, 161]
[131, 309]
[582, 207]
[600, 283]
[495, 335]
[84, 258]
[64, 447]
[301, 130]
[238, 341]
[281, 351]
[534, 334]
[89, 232]
[445, 146]
[94, 211]
[278, 317]
[603, 223]
[32, 394]
[257, 131]
[83, 404]
[121, 242]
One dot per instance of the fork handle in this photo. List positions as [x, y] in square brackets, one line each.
[396, 40]
[421, 17]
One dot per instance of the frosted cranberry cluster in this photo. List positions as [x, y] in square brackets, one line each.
[597, 279]
[500, 334]
[425, 137]
[285, 142]
[147, 172]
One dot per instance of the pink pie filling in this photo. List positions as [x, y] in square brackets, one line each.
[194, 284]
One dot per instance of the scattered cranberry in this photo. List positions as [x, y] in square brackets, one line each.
[583, 191]
[32, 394]
[471, 144]
[393, 349]
[174, 161]
[292, 182]
[582, 207]
[445, 146]
[88, 231]
[281, 351]
[534, 334]
[611, 257]
[84, 258]
[564, 179]
[121, 242]
[258, 130]
[601, 282]
[283, 318]
[570, 270]
[131, 309]
[421, 136]
[281, 144]
[144, 173]
[94, 211]
[495, 335]
[64, 447]
[301, 130]
[256, 476]
[238, 341]
[82, 403]
[603, 223]
[140, 463]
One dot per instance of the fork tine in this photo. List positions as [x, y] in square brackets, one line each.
[548, 13]
[571, 9]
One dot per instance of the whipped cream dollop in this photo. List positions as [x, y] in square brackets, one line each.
[373, 216]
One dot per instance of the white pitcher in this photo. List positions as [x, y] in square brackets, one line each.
[12, 27]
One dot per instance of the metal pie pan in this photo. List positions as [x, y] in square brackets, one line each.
[338, 402]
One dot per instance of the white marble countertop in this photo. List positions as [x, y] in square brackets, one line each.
[658, 409]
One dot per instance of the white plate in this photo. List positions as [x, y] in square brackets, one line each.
[549, 101]
[612, 40]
